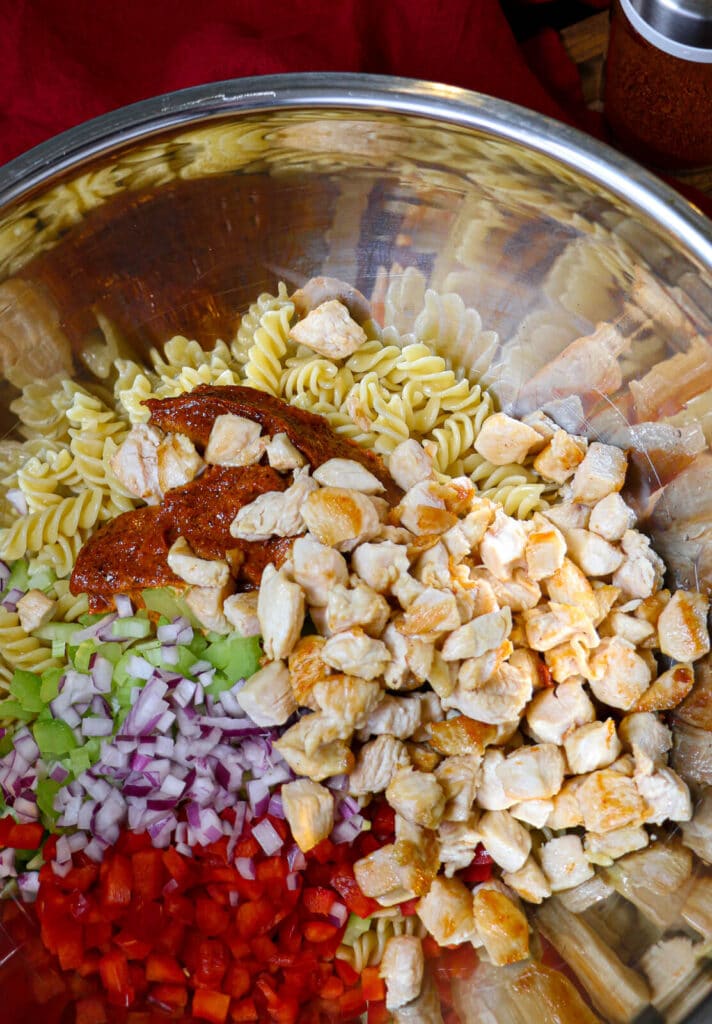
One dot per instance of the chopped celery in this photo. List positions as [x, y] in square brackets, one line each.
[219, 684]
[5, 748]
[18, 576]
[50, 684]
[198, 645]
[237, 657]
[41, 577]
[63, 631]
[54, 738]
[168, 603]
[79, 760]
[356, 927]
[35, 862]
[58, 648]
[130, 628]
[111, 651]
[13, 709]
[83, 654]
[25, 687]
[47, 789]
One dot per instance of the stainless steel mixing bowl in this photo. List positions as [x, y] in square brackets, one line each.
[171, 215]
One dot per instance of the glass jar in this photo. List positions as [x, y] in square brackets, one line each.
[658, 90]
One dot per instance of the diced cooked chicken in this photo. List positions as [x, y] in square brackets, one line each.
[484, 633]
[178, 462]
[340, 518]
[507, 841]
[422, 509]
[532, 812]
[606, 596]
[443, 676]
[490, 794]
[503, 546]
[592, 746]
[309, 810]
[532, 773]
[282, 455]
[567, 661]
[267, 695]
[333, 758]
[592, 554]
[671, 966]
[553, 713]
[276, 513]
[397, 674]
[417, 796]
[280, 609]
[426, 1009]
[402, 969]
[697, 834]
[135, 463]
[422, 756]
[329, 330]
[549, 625]
[545, 550]
[611, 517]
[446, 912]
[419, 656]
[356, 654]
[347, 474]
[502, 440]
[199, 572]
[635, 630]
[568, 515]
[561, 457]
[564, 862]
[609, 800]
[406, 590]
[431, 710]
[570, 586]
[387, 876]
[376, 764]
[317, 568]
[395, 716]
[312, 732]
[307, 668]
[566, 812]
[529, 882]
[459, 777]
[518, 593]
[380, 564]
[647, 738]
[235, 441]
[206, 604]
[461, 735]
[356, 606]
[478, 519]
[432, 568]
[347, 700]
[604, 849]
[617, 674]
[240, 610]
[35, 609]
[458, 841]
[543, 424]
[501, 699]
[457, 544]
[642, 572]
[432, 613]
[501, 925]
[682, 626]
[668, 690]
[409, 464]
[666, 795]
[601, 473]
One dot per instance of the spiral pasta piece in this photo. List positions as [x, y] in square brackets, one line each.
[455, 332]
[95, 433]
[32, 532]
[21, 650]
[263, 369]
[245, 336]
[62, 554]
[42, 482]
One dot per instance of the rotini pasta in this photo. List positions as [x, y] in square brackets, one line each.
[263, 369]
[21, 650]
[32, 532]
[245, 336]
[44, 482]
[368, 948]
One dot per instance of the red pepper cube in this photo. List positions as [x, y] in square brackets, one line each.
[172, 997]
[378, 1014]
[352, 1003]
[90, 1010]
[116, 979]
[20, 837]
[115, 880]
[318, 899]
[148, 874]
[344, 882]
[254, 918]
[164, 969]
[237, 981]
[172, 938]
[69, 946]
[178, 867]
[346, 972]
[332, 988]
[320, 931]
[373, 985]
[210, 1005]
[244, 1011]
[133, 948]
[210, 917]
[211, 962]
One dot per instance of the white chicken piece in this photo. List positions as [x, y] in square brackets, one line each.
[431, 711]
[419, 657]
[394, 716]
[457, 544]
[459, 777]
[347, 700]
[402, 969]
[307, 668]
[604, 849]
[422, 509]
[611, 517]
[609, 800]
[502, 440]
[178, 462]
[543, 424]
[387, 876]
[564, 862]
[432, 613]
[561, 457]
[446, 912]
[199, 572]
[601, 473]
[397, 675]
[475, 672]
[592, 554]
[592, 746]
[507, 841]
[135, 463]
[647, 738]
[553, 713]
[549, 625]
[340, 518]
[566, 812]
[518, 593]
[461, 735]
[280, 609]
[276, 513]
[568, 585]
[234, 441]
[458, 841]
[332, 758]
[490, 793]
[380, 564]
[329, 330]
[628, 627]
[206, 604]
[618, 676]
[409, 464]
[417, 796]
[682, 626]
[282, 455]
[568, 515]
[666, 795]
[529, 882]
[240, 610]
[376, 763]
[361, 606]
[479, 518]
[356, 654]
[317, 568]
[267, 696]
[545, 550]
[668, 690]
[503, 545]
[309, 810]
[501, 699]
[606, 596]
[426, 1009]
[500, 924]
[432, 568]
[532, 812]
[443, 676]
[349, 474]
[484, 633]
[532, 773]
[641, 574]
[34, 609]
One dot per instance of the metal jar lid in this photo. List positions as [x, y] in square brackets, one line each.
[682, 28]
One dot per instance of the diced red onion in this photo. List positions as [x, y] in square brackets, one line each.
[348, 807]
[63, 852]
[4, 573]
[123, 605]
[246, 868]
[58, 773]
[170, 655]
[258, 795]
[139, 667]
[9, 602]
[77, 842]
[338, 914]
[29, 885]
[296, 859]
[292, 881]
[93, 631]
[275, 806]
[61, 870]
[346, 831]
[233, 897]
[97, 726]
[24, 744]
[337, 782]
[268, 837]
[101, 673]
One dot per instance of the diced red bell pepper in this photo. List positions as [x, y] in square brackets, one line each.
[254, 918]
[210, 1005]
[171, 938]
[480, 867]
[210, 918]
[96, 936]
[90, 1010]
[135, 949]
[131, 842]
[346, 972]
[237, 981]
[247, 846]
[116, 979]
[212, 962]
[409, 907]
[116, 879]
[318, 899]
[352, 1002]
[177, 867]
[69, 946]
[344, 881]
[378, 1014]
[164, 969]
[383, 821]
[147, 873]
[244, 1011]
[20, 837]
[173, 997]
[372, 984]
[320, 931]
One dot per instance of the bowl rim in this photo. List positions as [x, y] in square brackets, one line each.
[330, 90]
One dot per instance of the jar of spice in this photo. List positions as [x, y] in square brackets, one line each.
[658, 91]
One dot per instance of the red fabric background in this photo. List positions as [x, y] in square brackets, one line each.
[64, 61]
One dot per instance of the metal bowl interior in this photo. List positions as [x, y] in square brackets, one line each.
[170, 216]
